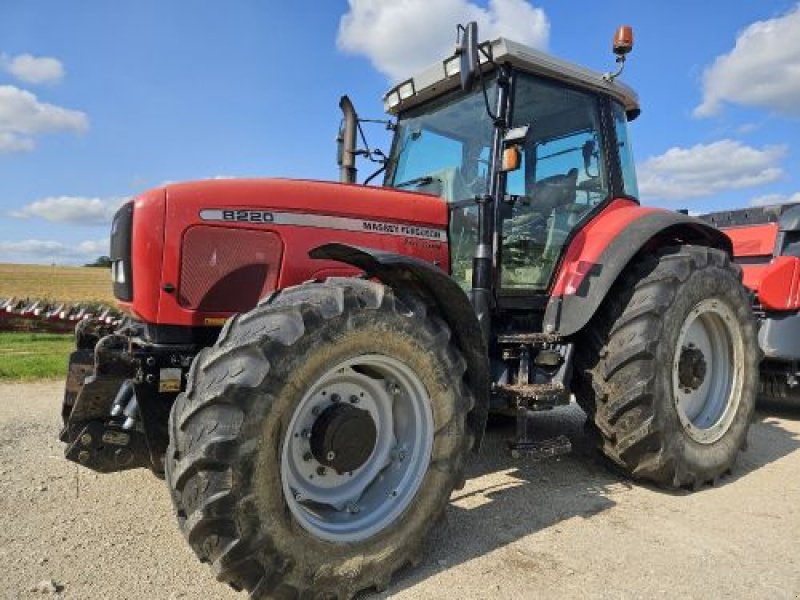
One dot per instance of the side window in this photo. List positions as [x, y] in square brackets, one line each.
[626, 161]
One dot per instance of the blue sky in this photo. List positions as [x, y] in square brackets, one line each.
[100, 100]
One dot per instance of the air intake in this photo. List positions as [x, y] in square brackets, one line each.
[227, 270]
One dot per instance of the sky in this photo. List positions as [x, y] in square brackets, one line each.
[101, 100]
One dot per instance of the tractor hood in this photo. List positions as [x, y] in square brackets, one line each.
[194, 253]
[248, 196]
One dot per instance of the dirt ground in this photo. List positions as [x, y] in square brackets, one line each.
[563, 528]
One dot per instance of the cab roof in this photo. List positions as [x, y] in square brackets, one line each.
[444, 76]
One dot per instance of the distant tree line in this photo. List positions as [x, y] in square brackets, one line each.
[100, 261]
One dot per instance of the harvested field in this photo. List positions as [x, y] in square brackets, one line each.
[56, 283]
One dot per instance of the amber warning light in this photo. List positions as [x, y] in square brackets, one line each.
[623, 44]
[623, 40]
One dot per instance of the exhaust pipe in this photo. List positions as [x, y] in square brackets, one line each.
[347, 142]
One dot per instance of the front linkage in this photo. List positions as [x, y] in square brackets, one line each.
[119, 392]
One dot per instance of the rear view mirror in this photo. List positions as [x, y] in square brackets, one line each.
[468, 55]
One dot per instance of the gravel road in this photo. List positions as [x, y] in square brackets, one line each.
[563, 528]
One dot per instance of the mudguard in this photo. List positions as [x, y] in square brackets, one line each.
[398, 272]
[604, 247]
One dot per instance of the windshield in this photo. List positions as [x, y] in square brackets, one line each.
[443, 148]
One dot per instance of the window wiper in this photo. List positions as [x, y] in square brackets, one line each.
[417, 181]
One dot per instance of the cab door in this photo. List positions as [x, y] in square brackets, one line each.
[564, 179]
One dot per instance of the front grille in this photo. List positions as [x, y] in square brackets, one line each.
[121, 265]
[227, 270]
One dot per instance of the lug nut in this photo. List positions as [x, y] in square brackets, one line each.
[335, 398]
[86, 439]
[83, 456]
[316, 410]
[330, 455]
[321, 471]
[305, 434]
[354, 399]
[307, 456]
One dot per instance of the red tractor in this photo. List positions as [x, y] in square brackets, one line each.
[309, 364]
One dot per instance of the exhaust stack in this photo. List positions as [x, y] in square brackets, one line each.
[347, 141]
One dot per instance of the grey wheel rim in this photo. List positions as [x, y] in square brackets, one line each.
[706, 371]
[355, 505]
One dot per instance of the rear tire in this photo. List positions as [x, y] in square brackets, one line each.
[668, 368]
[234, 432]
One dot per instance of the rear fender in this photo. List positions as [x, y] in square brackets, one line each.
[605, 246]
[402, 273]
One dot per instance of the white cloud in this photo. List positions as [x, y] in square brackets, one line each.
[23, 116]
[51, 251]
[775, 199]
[33, 69]
[763, 69]
[74, 210]
[401, 37]
[11, 142]
[707, 169]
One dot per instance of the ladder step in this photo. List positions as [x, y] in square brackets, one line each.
[550, 394]
[528, 338]
[541, 449]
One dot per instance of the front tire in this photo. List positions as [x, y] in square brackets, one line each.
[319, 440]
[668, 368]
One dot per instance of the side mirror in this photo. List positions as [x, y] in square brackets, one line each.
[468, 55]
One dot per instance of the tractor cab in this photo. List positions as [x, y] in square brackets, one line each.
[560, 132]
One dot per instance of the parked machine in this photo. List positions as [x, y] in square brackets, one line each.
[766, 243]
[310, 363]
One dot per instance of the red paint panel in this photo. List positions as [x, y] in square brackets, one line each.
[780, 284]
[752, 275]
[586, 247]
[754, 240]
[170, 212]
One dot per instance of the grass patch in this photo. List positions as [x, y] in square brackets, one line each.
[26, 356]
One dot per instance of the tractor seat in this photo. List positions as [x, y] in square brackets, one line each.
[555, 191]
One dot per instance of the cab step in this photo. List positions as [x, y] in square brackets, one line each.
[528, 338]
[538, 450]
[534, 396]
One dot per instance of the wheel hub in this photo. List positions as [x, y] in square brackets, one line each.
[357, 448]
[691, 368]
[343, 437]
